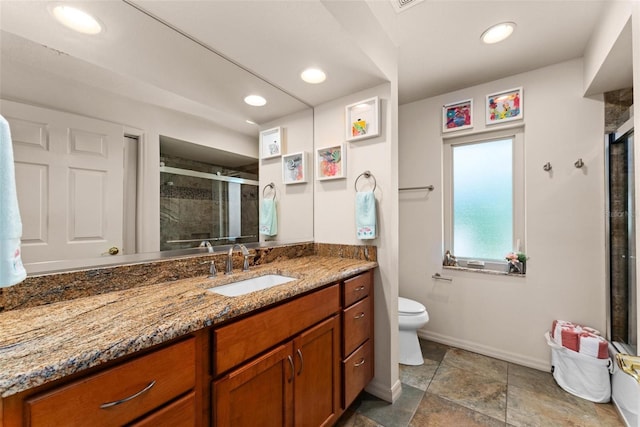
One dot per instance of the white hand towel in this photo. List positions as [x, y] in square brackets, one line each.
[269, 217]
[365, 215]
[11, 269]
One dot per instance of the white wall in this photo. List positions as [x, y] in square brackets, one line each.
[294, 201]
[603, 40]
[506, 317]
[335, 217]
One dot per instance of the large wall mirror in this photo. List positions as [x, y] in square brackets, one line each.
[135, 143]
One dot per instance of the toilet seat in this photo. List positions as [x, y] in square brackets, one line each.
[408, 307]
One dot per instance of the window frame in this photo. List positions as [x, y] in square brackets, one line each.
[516, 133]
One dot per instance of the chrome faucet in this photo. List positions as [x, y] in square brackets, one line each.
[206, 244]
[245, 253]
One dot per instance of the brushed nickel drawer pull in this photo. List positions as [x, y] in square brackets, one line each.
[359, 288]
[293, 369]
[301, 361]
[359, 363]
[126, 399]
[359, 316]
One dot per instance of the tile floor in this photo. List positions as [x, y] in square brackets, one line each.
[458, 388]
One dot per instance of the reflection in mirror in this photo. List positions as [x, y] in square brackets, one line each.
[207, 197]
[72, 102]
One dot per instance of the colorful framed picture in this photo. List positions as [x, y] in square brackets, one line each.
[331, 162]
[457, 115]
[294, 168]
[505, 106]
[363, 119]
[271, 143]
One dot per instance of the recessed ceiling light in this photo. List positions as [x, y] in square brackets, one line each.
[76, 19]
[498, 32]
[313, 75]
[255, 100]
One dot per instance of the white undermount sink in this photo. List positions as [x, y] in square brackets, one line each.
[250, 285]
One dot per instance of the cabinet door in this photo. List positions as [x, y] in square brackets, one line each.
[317, 380]
[258, 393]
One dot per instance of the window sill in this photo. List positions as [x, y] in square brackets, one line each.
[484, 271]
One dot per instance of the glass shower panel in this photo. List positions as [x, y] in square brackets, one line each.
[197, 207]
[622, 247]
[632, 338]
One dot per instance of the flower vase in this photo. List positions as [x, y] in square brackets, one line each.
[517, 267]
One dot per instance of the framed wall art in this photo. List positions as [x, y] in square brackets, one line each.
[457, 115]
[505, 106]
[294, 168]
[271, 143]
[363, 119]
[331, 162]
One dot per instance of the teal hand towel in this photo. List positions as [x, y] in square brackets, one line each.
[365, 215]
[269, 218]
[11, 269]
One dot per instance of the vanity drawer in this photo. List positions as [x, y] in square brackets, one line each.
[357, 371]
[181, 413]
[357, 288]
[246, 338]
[356, 325]
[139, 386]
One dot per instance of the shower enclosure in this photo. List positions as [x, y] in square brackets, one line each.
[206, 205]
[622, 248]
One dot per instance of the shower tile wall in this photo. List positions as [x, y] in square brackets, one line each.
[191, 208]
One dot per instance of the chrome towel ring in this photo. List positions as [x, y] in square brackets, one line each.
[272, 186]
[367, 175]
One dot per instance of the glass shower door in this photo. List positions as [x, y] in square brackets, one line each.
[622, 243]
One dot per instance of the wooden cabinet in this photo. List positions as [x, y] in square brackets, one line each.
[159, 388]
[301, 363]
[357, 336]
[298, 363]
[295, 383]
[317, 375]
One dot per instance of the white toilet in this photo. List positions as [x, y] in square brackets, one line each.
[412, 316]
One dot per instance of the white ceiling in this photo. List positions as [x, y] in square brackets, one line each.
[437, 42]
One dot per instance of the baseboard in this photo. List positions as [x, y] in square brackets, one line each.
[542, 365]
[382, 391]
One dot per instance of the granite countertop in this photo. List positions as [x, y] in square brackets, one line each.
[45, 343]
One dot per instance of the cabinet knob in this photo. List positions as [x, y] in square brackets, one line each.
[359, 315]
[113, 250]
[359, 288]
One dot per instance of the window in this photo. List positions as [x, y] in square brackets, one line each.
[484, 196]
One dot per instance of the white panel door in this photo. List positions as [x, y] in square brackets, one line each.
[69, 175]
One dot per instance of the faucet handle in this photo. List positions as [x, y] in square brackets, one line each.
[212, 268]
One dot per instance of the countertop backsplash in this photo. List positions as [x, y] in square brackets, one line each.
[49, 288]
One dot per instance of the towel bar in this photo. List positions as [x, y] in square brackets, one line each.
[437, 276]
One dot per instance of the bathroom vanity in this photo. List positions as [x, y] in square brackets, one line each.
[178, 354]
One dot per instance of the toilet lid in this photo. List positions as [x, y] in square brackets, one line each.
[409, 306]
